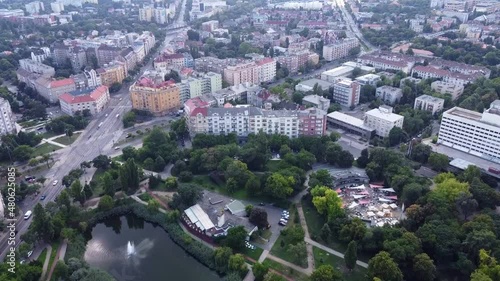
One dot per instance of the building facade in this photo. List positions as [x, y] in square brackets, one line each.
[472, 132]
[339, 49]
[389, 95]
[447, 88]
[7, 121]
[346, 92]
[157, 97]
[429, 103]
[383, 120]
[37, 67]
[93, 99]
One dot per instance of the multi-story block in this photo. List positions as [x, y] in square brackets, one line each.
[57, 7]
[210, 25]
[34, 7]
[339, 49]
[267, 69]
[39, 55]
[390, 61]
[161, 15]
[106, 54]
[36, 67]
[317, 102]
[368, 79]
[78, 58]
[388, 94]
[60, 53]
[158, 97]
[52, 89]
[242, 73]
[472, 132]
[295, 61]
[129, 57]
[312, 122]
[146, 13]
[110, 74]
[93, 99]
[447, 88]
[429, 103]
[7, 121]
[169, 61]
[383, 120]
[346, 92]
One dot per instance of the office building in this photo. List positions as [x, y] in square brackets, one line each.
[339, 49]
[146, 13]
[429, 103]
[210, 25]
[94, 100]
[389, 95]
[7, 122]
[346, 92]
[383, 120]
[51, 89]
[472, 132]
[156, 96]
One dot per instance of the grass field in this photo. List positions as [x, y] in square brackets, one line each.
[205, 182]
[55, 246]
[321, 257]
[45, 148]
[48, 135]
[145, 197]
[43, 256]
[67, 141]
[298, 276]
[253, 254]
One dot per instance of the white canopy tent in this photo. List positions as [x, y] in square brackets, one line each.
[384, 206]
[373, 208]
[380, 214]
[370, 214]
[388, 189]
[357, 187]
[384, 200]
[393, 206]
[353, 204]
[358, 196]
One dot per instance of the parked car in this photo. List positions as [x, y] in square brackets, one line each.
[54, 183]
[30, 253]
[43, 197]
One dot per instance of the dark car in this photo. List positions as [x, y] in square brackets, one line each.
[43, 197]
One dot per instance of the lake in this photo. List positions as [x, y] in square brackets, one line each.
[131, 249]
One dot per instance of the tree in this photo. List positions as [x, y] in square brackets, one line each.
[221, 257]
[46, 158]
[101, 162]
[128, 120]
[489, 269]
[345, 159]
[421, 153]
[174, 75]
[298, 253]
[320, 177]
[108, 184]
[466, 204]
[235, 238]
[293, 234]
[105, 203]
[253, 185]
[351, 255]
[438, 161]
[171, 183]
[396, 136]
[187, 195]
[237, 263]
[403, 249]
[450, 189]
[238, 171]
[424, 268]
[129, 176]
[153, 205]
[384, 267]
[354, 230]
[326, 232]
[279, 186]
[69, 131]
[258, 216]
[327, 202]
[22, 153]
[76, 191]
[270, 276]
[42, 224]
[363, 160]
[159, 164]
[61, 271]
[259, 271]
[115, 87]
[193, 35]
[326, 273]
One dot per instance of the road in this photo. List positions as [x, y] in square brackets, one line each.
[353, 27]
[93, 141]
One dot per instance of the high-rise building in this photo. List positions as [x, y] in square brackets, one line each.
[158, 97]
[40, 54]
[36, 67]
[34, 7]
[472, 132]
[346, 92]
[7, 122]
[146, 13]
[57, 7]
[339, 49]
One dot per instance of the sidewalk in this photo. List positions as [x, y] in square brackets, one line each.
[61, 252]
[306, 271]
[46, 262]
[310, 255]
[333, 252]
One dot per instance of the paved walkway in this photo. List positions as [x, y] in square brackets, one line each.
[54, 143]
[46, 262]
[289, 264]
[61, 252]
[333, 252]
[310, 255]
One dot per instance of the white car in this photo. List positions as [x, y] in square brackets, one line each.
[30, 253]
[117, 147]
[54, 183]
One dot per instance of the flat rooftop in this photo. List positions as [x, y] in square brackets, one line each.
[430, 98]
[311, 82]
[391, 117]
[465, 113]
[336, 115]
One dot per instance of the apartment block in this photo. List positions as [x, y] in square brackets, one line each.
[34, 7]
[339, 49]
[7, 121]
[429, 103]
[110, 74]
[267, 69]
[388, 94]
[93, 99]
[146, 13]
[472, 132]
[368, 79]
[37, 67]
[346, 92]
[106, 54]
[156, 96]
[78, 59]
[57, 7]
[242, 73]
[169, 61]
[51, 89]
[210, 25]
[390, 61]
[312, 122]
[383, 120]
[447, 88]
[40, 54]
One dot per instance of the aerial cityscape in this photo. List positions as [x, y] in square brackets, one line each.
[242, 140]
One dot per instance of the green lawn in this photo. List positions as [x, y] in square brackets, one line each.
[48, 135]
[290, 272]
[55, 246]
[280, 248]
[205, 182]
[321, 257]
[314, 224]
[45, 148]
[253, 254]
[98, 190]
[42, 256]
[145, 197]
[67, 141]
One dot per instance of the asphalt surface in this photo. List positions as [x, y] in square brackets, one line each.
[353, 27]
[93, 141]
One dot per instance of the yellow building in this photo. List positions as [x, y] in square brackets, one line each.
[157, 97]
[112, 74]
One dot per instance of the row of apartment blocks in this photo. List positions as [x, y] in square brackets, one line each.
[339, 49]
[245, 120]
[165, 62]
[294, 61]
[449, 72]
[94, 100]
[160, 15]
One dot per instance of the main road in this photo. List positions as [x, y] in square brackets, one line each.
[95, 140]
[352, 24]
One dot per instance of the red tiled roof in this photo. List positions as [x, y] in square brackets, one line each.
[150, 83]
[62, 83]
[68, 98]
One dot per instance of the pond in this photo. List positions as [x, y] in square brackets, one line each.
[131, 249]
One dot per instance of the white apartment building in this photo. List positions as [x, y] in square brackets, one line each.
[472, 132]
[346, 92]
[267, 69]
[199, 85]
[242, 73]
[95, 100]
[447, 88]
[7, 122]
[368, 79]
[429, 103]
[34, 7]
[388, 94]
[383, 120]
[146, 13]
[162, 15]
[39, 55]
[339, 49]
[57, 7]
[37, 67]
